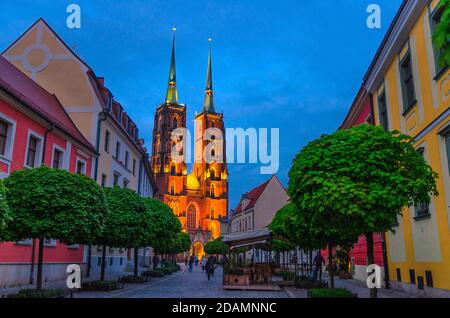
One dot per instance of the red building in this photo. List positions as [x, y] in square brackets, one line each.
[36, 130]
[361, 112]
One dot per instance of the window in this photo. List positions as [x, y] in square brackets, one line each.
[57, 159]
[104, 178]
[175, 123]
[213, 190]
[107, 140]
[422, 209]
[399, 275]
[191, 218]
[125, 183]
[116, 179]
[32, 152]
[111, 261]
[212, 213]
[172, 170]
[407, 82]
[3, 136]
[382, 110]
[49, 242]
[429, 278]
[172, 190]
[412, 276]
[134, 167]
[117, 150]
[127, 159]
[435, 18]
[81, 167]
[213, 174]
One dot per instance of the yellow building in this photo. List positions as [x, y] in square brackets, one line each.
[411, 93]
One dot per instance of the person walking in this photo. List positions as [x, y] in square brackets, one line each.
[191, 263]
[318, 262]
[203, 262]
[209, 267]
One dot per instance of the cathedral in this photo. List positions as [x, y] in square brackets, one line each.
[200, 198]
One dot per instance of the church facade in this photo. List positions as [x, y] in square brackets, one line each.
[198, 196]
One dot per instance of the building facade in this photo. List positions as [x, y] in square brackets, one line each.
[44, 57]
[200, 198]
[410, 90]
[35, 130]
[361, 112]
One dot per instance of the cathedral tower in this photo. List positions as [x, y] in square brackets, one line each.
[199, 199]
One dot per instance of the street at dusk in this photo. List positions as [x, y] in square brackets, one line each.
[225, 156]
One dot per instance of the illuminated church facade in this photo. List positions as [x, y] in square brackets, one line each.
[198, 198]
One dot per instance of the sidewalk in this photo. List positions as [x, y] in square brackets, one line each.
[355, 286]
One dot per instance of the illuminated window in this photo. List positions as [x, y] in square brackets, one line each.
[191, 218]
[213, 191]
[172, 190]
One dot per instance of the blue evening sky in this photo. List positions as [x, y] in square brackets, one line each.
[289, 64]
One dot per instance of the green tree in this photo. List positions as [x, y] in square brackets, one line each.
[125, 225]
[184, 241]
[53, 203]
[165, 227]
[357, 181]
[216, 247]
[4, 211]
[441, 35]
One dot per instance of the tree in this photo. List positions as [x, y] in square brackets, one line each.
[4, 211]
[53, 203]
[165, 226]
[357, 181]
[216, 247]
[441, 35]
[124, 223]
[184, 240]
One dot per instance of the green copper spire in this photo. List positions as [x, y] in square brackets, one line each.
[172, 93]
[208, 105]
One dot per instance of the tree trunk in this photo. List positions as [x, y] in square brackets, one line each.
[33, 260]
[40, 263]
[385, 261]
[89, 264]
[330, 264]
[370, 259]
[136, 262]
[102, 271]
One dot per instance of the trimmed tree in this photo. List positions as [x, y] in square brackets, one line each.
[357, 181]
[165, 226]
[53, 203]
[216, 247]
[124, 224]
[441, 35]
[4, 212]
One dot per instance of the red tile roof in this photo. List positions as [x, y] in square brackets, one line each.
[253, 196]
[23, 88]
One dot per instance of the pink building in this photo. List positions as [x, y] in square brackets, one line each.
[36, 130]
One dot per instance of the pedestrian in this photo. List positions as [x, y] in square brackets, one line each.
[191, 263]
[186, 261]
[203, 261]
[209, 267]
[318, 262]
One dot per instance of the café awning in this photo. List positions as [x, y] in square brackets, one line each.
[249, 238]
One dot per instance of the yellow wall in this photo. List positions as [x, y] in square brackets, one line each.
[422, 245]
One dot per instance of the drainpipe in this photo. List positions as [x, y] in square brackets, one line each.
[101, 117]
[33, 246]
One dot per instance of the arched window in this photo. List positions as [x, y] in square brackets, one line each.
[172, 190]
[172, 170]
[191, 218]
[213, 174]
[213, 191]
[175, 123]
[213, 153]
[213, 124]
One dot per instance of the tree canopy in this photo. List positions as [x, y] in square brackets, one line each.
[53, 203]
[216, 246]
[4, 211]
[165, 226]
[441, 35]
[125, 222]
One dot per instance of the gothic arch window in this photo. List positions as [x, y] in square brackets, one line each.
[175, 123]
[213, 173]
[213, 124]
[213, 191]
[213, 153]
[172, 189]
[191, 218]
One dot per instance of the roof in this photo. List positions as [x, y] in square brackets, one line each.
[248, 238]
[27, 91]
[253, 196]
